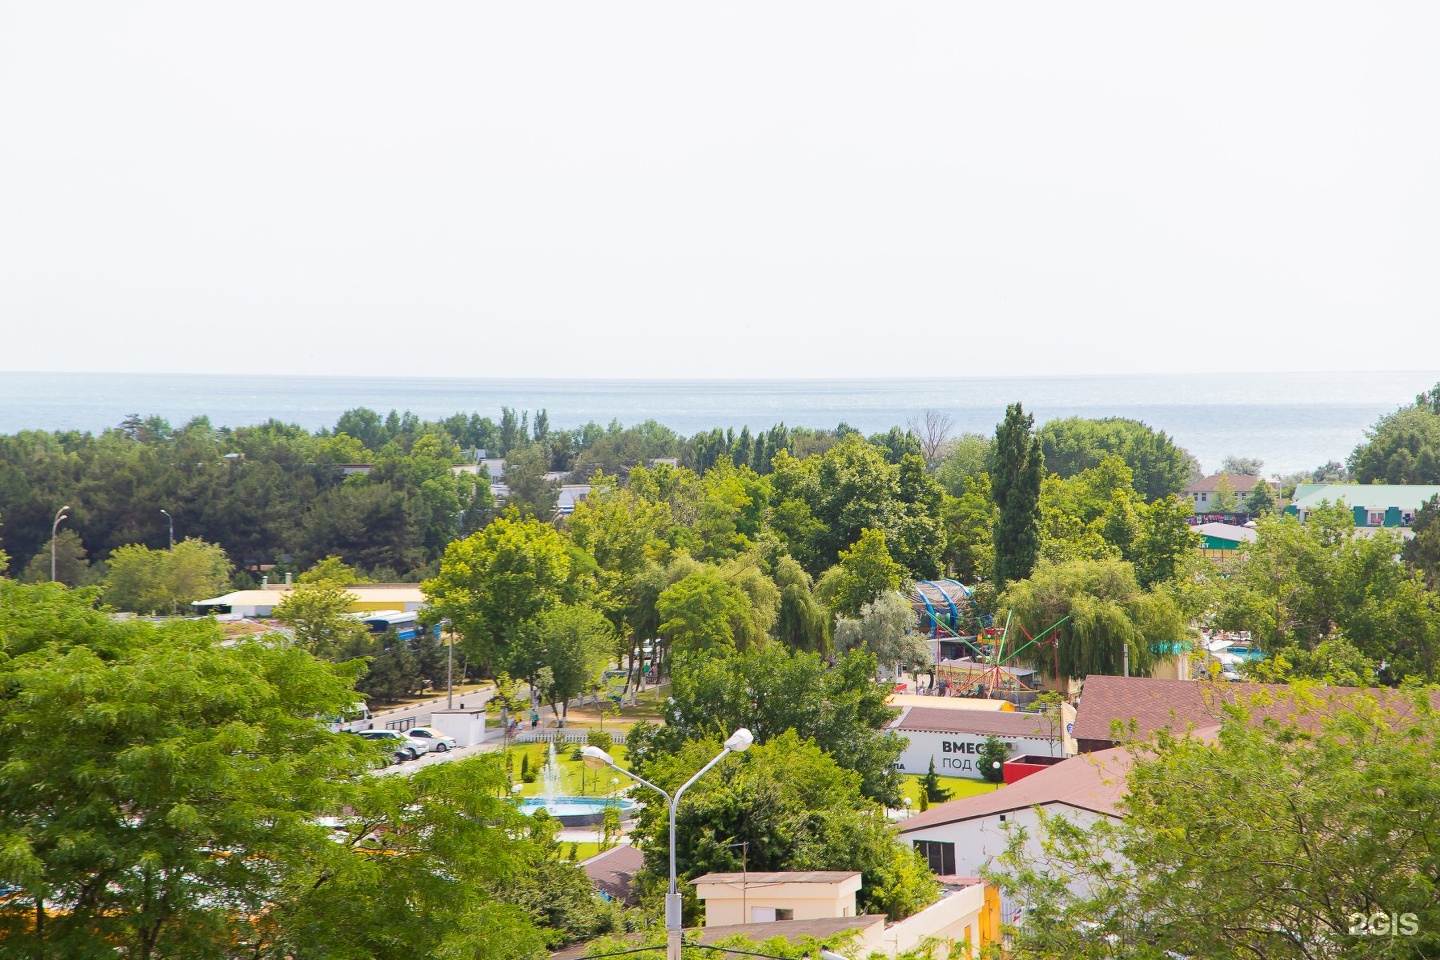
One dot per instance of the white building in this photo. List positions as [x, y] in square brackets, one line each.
[962, 836]
[953, 738]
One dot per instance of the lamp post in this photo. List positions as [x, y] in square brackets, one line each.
[54, 532]
[595, 758]
[172, 528]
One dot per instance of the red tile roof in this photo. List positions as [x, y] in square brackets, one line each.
[1091, 781]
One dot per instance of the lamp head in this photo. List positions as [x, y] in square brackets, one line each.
[740, 740]
[595, 758]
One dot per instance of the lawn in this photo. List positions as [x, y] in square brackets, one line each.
[576, 780]
[958, 787]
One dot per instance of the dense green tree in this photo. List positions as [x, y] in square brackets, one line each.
[1260, 500]
[967, 460]
[72, 563]
[918, 528]
[802, 621]
[568, 646]
[930, 786]
[770, 690]
[319, 615]
[865, 571]
[493, 581]
[158, 581]
[1017, 466]
[1302, 583]
[969, 521]
[1422, 551]
[1224, 499]
[1403, 447]
[530, 492]
[1334, 662]
[1242, 466]
[794, 808]
[190, 779]
[703, 611]
[885, 628]
[334, 570]
[1261, 841]
[1074, 445]
[1164, 541]
[365, 524]
[822, 504]
[1105, 613]
[991, 760]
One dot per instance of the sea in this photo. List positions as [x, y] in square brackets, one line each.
[1290, 421]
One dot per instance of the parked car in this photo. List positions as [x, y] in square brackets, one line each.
[431, 739]
[403, 747]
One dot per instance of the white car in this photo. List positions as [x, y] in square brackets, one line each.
[433, 740]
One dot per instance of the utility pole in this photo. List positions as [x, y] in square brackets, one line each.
[450, 671]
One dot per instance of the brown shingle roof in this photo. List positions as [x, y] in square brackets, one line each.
[983, 723]
[1176, 704]
[1091, 781]
[614, 870]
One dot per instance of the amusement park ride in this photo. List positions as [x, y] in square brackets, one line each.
[992, 668]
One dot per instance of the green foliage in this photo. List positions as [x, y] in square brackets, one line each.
[1017, 466]
[886, 630]
[969, 520]
[157, 581]
[319, 614]
[181, 818]
[530, 493]
[72, 564]
[1334, 661]
[1300, 584]
[1224, 499]
[562, 650]
[1108, 612]
[794, 807]
[1403, 447]
[493, 581]
[1260, 499]
[1263, 841]
[1422, 552]
[931, 789]
[865, 572]
[991, 759]
[335, 570]
[601, 739]
[771, 690]
[1074, 445]
[802, 621]
[703, 611]
[968, 460]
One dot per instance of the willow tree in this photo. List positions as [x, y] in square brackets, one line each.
[1105, 612]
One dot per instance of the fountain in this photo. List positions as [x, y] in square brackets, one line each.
[571, 811]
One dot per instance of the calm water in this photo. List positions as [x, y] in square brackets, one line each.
[1291, 421]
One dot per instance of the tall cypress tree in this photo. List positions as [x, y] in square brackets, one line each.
[1017, 466]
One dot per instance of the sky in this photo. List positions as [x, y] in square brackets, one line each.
[719, 190]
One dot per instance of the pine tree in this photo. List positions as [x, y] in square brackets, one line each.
[930, 783]
[1017, 466]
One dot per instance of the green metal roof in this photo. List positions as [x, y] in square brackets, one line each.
[1372, 496]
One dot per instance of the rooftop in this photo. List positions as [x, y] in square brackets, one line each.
[951, 703]
[614, 870]
[1225, 531]
[981, 722]
[1372, 496]
[1176, 704]
[1090, 781]
[780, 876]
[1239, 483]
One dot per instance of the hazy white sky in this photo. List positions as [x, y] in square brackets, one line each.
[685, 190]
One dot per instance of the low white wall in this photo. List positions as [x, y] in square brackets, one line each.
[466, 726]
[943, 920]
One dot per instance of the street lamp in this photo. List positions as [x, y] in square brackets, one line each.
[595, 758]
[172, 528]
[54, 531]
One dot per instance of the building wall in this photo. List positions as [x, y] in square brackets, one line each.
[955, 754]
[727, 904]
[962, 916]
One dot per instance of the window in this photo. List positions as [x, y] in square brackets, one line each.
[939, 856]
[1204, 498]
[784, 913]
